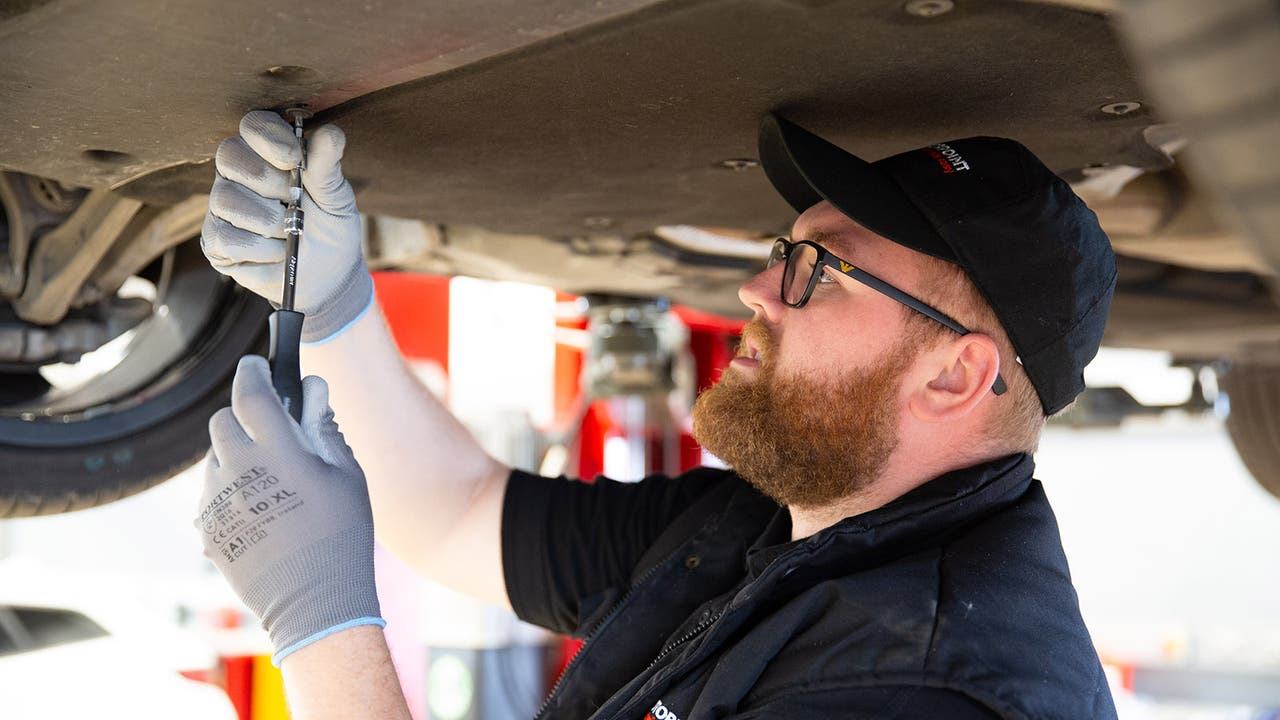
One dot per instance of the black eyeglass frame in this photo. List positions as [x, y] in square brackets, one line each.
[782, 252]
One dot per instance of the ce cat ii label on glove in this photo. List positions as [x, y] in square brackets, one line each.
[237, 517]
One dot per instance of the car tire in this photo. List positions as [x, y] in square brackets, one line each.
[1253, 391]
[1212, 68]
[60, 464]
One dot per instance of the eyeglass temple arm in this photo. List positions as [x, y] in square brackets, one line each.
[998, 387]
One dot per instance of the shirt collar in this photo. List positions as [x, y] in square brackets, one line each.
[923, 516]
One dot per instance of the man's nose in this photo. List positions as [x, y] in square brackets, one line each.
[761, 295]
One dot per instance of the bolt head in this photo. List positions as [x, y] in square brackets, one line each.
[1120, 108]
[929, 8]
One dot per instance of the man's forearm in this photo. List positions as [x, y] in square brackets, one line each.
[346, 675]
[424, 469]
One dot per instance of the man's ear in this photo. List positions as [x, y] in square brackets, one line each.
[961, 374]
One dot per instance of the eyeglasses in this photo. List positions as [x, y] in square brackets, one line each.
[804, 263]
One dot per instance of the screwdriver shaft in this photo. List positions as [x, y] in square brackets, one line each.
[293, 219]
[286, 323]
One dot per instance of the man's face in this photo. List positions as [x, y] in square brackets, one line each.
[815, 418]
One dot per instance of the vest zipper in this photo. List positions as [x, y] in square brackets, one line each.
[702, 625]
[617, 607]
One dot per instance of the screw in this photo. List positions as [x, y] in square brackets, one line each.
[1120, 108]
[598, 223]
[929, 8]
[739, 164]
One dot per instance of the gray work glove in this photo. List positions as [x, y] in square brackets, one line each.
[285, 514]
[243, 234]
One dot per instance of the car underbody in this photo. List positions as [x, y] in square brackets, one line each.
[599, 147]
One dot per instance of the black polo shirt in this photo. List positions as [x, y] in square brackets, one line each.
[951, 601]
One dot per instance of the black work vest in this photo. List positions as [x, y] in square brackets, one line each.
[960, 584]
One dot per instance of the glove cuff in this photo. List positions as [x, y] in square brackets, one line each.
[350, 300]
[280, 655]
[330, 587]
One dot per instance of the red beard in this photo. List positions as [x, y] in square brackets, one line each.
[803, 442]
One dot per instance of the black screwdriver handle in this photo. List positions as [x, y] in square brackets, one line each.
[286, 370]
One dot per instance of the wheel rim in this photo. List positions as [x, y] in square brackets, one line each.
[178, 355]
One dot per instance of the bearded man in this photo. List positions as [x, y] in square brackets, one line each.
[879, 548]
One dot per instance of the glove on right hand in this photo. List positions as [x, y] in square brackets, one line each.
[285, 514]
[243, 234]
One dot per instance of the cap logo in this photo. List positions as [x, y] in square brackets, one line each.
[948, 159]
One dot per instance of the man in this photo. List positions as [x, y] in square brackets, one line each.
[888, 555]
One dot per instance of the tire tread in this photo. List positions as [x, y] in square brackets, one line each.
[1254, 421]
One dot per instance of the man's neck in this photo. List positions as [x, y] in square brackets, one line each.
[809, 520]
[899, 477]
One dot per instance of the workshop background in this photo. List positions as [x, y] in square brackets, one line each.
[1171, 543]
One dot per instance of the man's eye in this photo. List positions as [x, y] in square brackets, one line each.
[826, 276]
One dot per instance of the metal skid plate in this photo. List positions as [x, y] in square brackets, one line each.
[555, 118]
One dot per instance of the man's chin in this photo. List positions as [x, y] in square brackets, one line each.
[795, 450]
[717, 414]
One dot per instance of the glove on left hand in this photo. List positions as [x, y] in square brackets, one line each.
[285, 514]
[243, 233]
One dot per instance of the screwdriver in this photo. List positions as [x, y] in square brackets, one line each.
[286, 323]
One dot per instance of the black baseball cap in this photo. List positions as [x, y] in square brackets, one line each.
[1031, 246]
